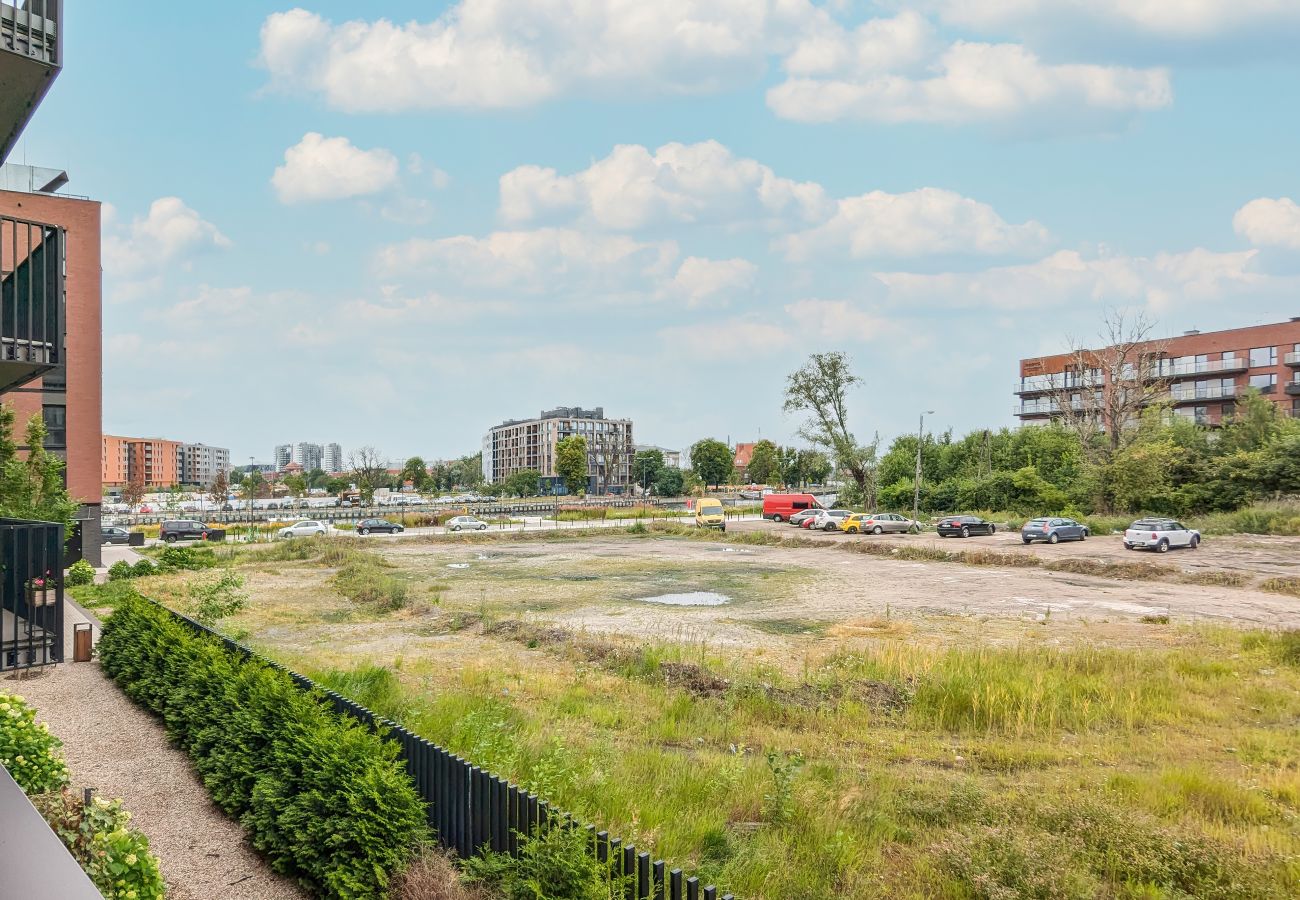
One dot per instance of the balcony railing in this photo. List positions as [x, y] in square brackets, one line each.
[1191, 393]
[31, 29]
[31, 55]
[1237, 364]
[1293, 388]
[1044, 408]
[31, 594]
[1291, 359]
[31, 299]
[1038, 384]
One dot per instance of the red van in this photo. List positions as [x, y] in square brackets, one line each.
[779, 507]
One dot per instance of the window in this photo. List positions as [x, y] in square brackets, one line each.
[1263, 356]
[1266, 384]
[56, 425]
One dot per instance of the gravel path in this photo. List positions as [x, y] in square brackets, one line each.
[121, 750]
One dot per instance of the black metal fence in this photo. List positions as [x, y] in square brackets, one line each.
[31, 594]
[472, 810]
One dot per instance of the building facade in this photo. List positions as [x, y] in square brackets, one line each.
[200, 464]
[333, 462]
[672, 458]
[522, 444]
[283, 456]
[1205, 373]
[328, 457]
[159, 463]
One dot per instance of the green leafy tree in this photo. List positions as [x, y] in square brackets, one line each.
[254, 485]
[820, 389]
[523, 483]
[337, 485]
[815, 465]
[317, 479]
[416, 472]
[670, 482]
[219, 489]
[468, 471]
[32, 488]
[571, 463]
[296, 484]
[712, 461]
[764, 463]
[647, 465]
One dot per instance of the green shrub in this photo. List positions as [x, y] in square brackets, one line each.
[79, 573]
[143, 568]
[114, 855]
[320, 795]
[175, 557]
[212, 601]
[556, 865]
[27, 749]
[364, 579]
[120, 571]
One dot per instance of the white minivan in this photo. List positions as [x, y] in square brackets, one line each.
[1160, 535]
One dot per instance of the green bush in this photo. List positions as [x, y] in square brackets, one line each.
[175, 557]
[114, 855]
[120, 571]
[143, 568]
[27, 749]
[79, 573]
[320, 795]
[557, 865]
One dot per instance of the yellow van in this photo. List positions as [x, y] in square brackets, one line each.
[709, 514]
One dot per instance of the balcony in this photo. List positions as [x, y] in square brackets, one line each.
[1193, 394]
[31, 54]
[1293, 388]
[1291, 359]
[1038, 384]
[31, 300]
[1212, 366]
[1044, 407]
[31, 594]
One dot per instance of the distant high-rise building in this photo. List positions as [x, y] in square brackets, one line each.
[309, 456]
[283, 456]
[333, 458]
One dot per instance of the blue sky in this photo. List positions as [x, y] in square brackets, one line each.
[400, 231]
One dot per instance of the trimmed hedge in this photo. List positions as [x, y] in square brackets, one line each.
[320, 795]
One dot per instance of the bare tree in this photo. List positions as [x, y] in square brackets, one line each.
[1104, 390]
[219, 488]
[369, 470]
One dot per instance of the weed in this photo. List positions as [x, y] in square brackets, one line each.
[431, 875]
[212, 601]
[778, 804]
[1282, 585]
[1160, 619]
[555, 865]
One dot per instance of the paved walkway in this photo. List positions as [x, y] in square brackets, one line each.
[122, 751]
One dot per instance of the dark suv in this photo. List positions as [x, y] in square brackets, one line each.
[174, 530]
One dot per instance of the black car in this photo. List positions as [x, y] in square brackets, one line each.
[112, 534]
[174, 530]
[365, 526]
[964, 526]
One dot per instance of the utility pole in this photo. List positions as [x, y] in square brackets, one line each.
[248, 487]
[916, 481]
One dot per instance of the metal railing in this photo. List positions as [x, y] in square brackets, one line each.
[31, 293]
[32, 29]
[472, 810]
[1236, 364]
[1291, 359]
[1039, 383]
[31, 594]
[1193, 393]
[1045, 408]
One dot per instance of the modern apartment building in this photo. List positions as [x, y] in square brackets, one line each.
[333, 462]
[283, 456]
[522, 444]
[50, 275]
[328, 457]
[159, 463]
[672, 458]
[1205, 373]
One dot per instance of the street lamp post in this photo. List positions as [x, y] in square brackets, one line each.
[916, 481]
[248, 489]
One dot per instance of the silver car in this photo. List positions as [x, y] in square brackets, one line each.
[1160, 535]
[830, 519]
[879, 523]
[466, 523]
[305, 528]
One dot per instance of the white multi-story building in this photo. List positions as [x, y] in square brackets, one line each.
[283, 456]
[672, 458]
[333, 458]
[518, 445]
[309, 456]
[328, 457]
[199, 463]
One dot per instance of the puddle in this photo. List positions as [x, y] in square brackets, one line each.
[693, 598]
[458, 565]
[734, 550]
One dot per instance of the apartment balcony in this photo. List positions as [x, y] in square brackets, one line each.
[31, 299]
[31, 594]
[31, 55]
[1044, 407]
[1209, 367]
[1291, 359]
[1192, 394]
[1040, 384]
[1293, 388]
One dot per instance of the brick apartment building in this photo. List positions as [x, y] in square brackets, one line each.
[50, 327]
[159, 463]
[1206, 373]
[522, 444]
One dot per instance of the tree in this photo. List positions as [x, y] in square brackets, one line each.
[416, 472]
[254, 485]
[337, 485]
[670, 482]
[317, 478]
[647, 465]
[296, 484]
[369, 471]
[133, 491]
[1107, 389]
[815, 465]
[712, 461]
[764, 463]
[571, 463]
[820, 389]
[32, 488]
[522, 483]
[468, 471]
[219, 489]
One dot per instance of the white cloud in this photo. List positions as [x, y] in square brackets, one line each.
[433, 308]
[534, 261]
[169, 233]
[917, 223]
[506, 53]
[321, 168]
[1163, 282]
[679, 183]
[741, 338]
[702, 281]
[1180, 19]
[838, 321]
[1268, 222]
[876, 46]
[976, 82]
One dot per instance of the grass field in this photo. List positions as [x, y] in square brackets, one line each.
[845, 762]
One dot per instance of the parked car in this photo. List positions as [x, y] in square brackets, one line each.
[460, 523]
[802, 516]
[964, 526]
[829, 519]
[710, 514]
[876, 523]
[114, 534]
[173, 530]
[1160, 535]
[1053, 530]
[780, 507]
[305, 528]
[366, 526]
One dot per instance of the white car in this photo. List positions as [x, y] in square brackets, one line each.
[466, 523]
[305, 528]
[830, 519]
[1160, 535]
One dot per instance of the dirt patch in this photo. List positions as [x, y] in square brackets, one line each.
[694, 679]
